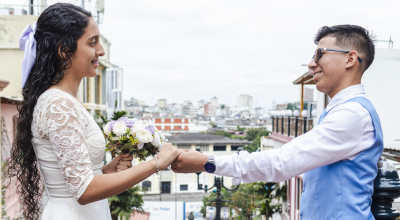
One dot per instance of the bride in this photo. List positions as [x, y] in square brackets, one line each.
[58, 142]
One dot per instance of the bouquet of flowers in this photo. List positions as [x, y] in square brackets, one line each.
[130, 135]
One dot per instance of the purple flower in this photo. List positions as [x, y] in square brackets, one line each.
[124, 119]
[112, 123]
[130, 122]
[151, 129]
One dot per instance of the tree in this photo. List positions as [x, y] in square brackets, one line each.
[121, 205]
[241, 128]
[255, 135]
[268, 192]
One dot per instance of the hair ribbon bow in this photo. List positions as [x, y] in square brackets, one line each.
[27, 42]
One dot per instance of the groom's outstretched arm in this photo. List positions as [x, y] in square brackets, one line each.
[336, 138]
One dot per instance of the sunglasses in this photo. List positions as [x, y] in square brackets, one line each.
[318, 53]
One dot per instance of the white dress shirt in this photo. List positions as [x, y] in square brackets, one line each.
[346, 131]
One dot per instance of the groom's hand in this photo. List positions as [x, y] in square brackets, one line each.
[189, 161]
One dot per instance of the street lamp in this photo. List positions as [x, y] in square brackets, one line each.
[219, 184]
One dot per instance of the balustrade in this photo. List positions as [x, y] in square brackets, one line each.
[291, 126]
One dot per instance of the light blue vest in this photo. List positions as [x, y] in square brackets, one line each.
[343, 190]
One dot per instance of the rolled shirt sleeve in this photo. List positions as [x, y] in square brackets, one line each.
[337, 138]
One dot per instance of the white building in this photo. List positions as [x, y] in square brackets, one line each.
[169, 182]
[381, 82]
[214, 100]
[201, 103]
[245, 100]
[114, 90]
[162, 103]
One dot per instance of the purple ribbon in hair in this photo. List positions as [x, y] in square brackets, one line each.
[27, 42]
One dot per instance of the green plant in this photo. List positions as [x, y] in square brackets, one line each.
[268, 192]
[255, 135]
[121, 205]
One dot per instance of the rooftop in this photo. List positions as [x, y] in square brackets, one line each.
[198, 138]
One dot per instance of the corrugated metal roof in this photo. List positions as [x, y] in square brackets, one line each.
[198, 138]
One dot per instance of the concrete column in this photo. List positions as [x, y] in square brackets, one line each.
[228, 149]
[155, 184]
[193, 147]
[174, 182]
[210, 149]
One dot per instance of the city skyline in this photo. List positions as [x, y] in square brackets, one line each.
[191, 50]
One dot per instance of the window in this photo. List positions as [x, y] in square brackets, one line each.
[86, 91]
[146, 186]
[184, 146]
[114, 79]
[234, 148]
[165, 187]
[219, 148]
[97, 89]
[299, 191]
[183, 187]
[203, 148]
[200, 186]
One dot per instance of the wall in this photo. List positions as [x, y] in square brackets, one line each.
[381, 82]
[11, 58]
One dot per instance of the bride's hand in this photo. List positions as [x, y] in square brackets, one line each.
[119, 163]
[167, 155]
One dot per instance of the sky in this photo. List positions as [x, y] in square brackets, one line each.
[197, 49]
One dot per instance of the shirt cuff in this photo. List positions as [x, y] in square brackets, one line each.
[228, 165]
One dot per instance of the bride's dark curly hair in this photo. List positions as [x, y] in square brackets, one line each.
[58, 29]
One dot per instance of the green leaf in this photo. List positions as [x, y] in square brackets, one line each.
[126, 148]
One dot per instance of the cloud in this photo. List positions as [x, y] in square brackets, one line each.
[193, 50]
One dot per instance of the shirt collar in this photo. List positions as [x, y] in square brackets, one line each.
[344, 95]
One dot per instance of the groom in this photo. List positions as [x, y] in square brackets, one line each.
[339, 156]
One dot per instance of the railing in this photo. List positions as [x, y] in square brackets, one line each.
[291, 126]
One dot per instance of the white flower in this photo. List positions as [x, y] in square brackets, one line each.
[140, 146]
[138, 126]
[162, 136]
[107, 129]
[156, 140]
[119, 128]
[144, 136]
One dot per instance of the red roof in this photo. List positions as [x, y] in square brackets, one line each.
[177, 128]
[167, 128]
[167, 120]
[159, 128]
[158, 120]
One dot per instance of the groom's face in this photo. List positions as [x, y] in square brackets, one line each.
[328, 71]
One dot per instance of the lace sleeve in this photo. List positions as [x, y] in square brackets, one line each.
[65, 126]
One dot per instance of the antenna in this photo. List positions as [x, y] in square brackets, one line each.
[390, 41]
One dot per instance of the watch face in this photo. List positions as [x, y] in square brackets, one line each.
[209, 167]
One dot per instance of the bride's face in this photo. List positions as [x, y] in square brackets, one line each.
[85, 60]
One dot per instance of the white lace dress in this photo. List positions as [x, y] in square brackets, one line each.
[69, 147]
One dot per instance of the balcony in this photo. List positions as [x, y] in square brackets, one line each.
[285, 128]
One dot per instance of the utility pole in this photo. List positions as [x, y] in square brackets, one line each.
[219, 184]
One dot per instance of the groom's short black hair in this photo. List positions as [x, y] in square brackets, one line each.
[351, 37]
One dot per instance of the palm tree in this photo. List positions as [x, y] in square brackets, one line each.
[122, 205]
[269, 197]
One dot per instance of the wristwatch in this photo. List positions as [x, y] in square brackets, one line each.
[209, 165]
